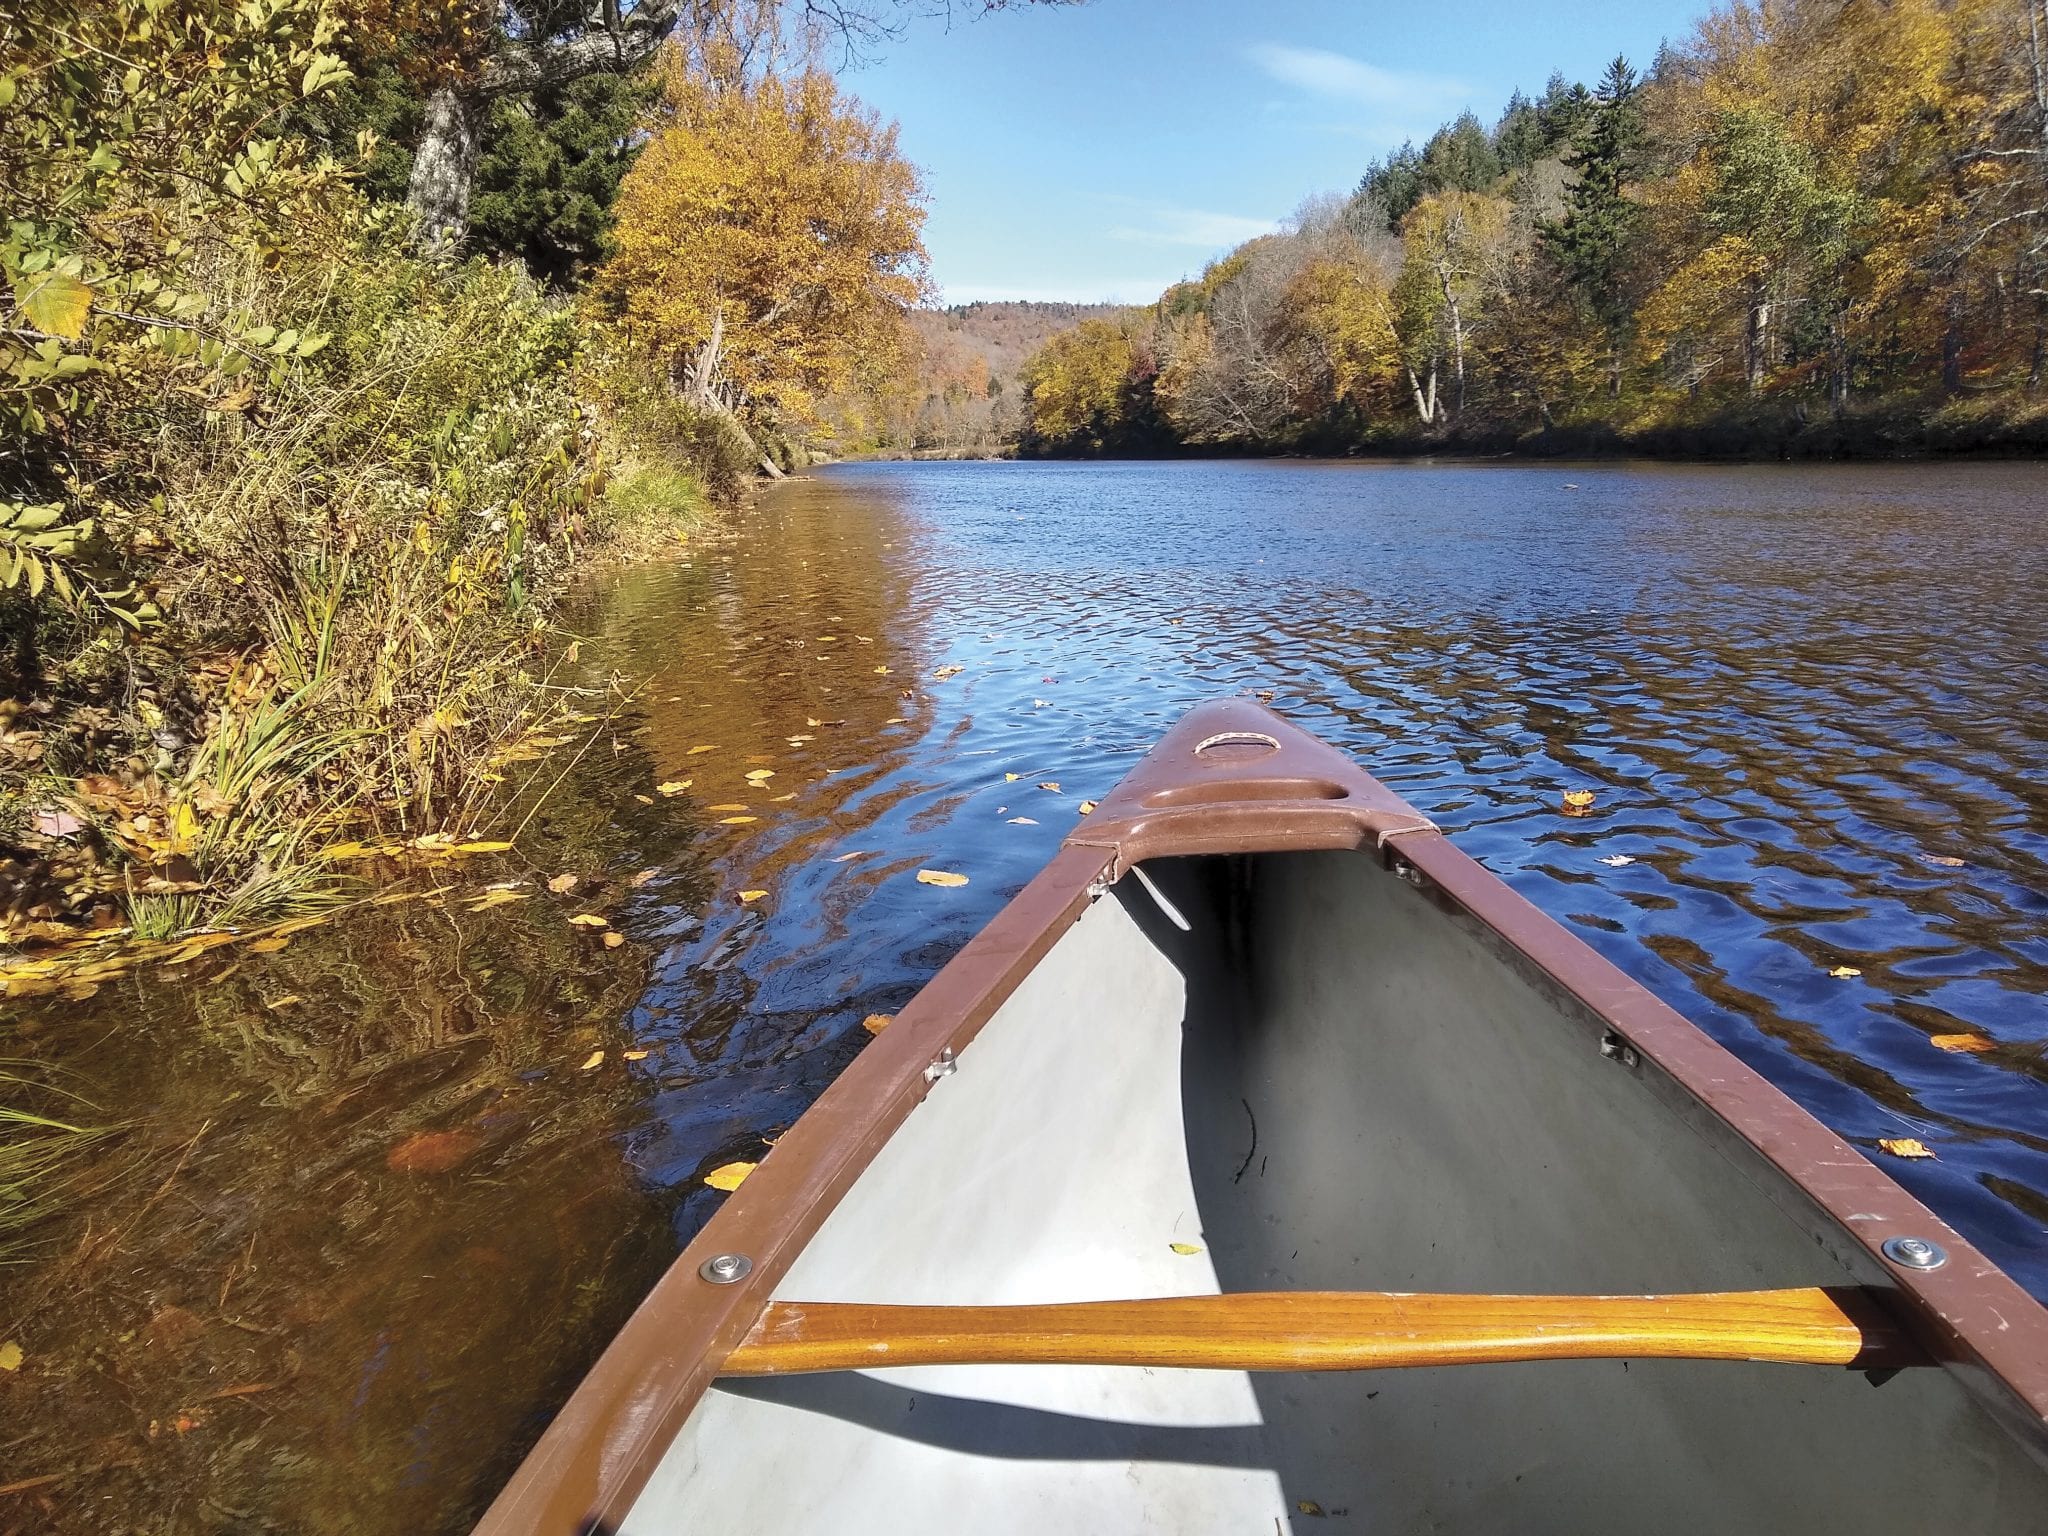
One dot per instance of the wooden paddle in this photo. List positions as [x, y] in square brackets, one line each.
[1333, 1331]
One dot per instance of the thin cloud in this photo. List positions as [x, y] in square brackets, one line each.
[1388, 94]
[1165, 225]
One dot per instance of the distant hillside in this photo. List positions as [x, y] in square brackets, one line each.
[968, 377]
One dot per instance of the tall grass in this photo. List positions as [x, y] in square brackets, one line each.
[42, 1150]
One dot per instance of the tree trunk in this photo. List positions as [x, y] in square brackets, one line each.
[442, 168]
[1952, 345]
[1756, 342]
[1838, 363]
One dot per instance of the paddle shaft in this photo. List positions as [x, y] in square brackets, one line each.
[1331, 1331]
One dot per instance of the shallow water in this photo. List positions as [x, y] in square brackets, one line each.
[1799, 693]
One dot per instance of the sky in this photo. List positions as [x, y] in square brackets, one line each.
[1105, 151]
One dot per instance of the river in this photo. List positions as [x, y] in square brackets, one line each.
[374, 1201]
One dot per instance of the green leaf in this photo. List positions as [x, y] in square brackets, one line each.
[6, 90]
[55, 302]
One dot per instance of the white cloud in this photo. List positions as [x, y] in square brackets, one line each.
[1164, 225]
[1388, 94]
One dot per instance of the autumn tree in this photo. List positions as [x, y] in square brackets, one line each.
[768, 238]
[1079, 390]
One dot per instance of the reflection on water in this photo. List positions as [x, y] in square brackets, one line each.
[356, 1246]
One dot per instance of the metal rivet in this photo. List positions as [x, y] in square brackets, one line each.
[726, 1268]
[941, 1065]
[1915, 1252]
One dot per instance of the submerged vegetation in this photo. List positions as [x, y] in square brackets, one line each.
[1815, 227]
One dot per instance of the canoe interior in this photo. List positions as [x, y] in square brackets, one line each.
[1328, 1084]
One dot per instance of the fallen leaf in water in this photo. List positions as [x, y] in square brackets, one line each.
[730, 805]
[640, 879]
[809, 721]
[1309, 1507]
[1944, 860]
[881, 671]
[1086, 807]
[940, 877]
[673, 786]
[757, 775]
[634, 1055]
[945, 672]
[589, 920]
[594, 1060]
[858, 853]
[644, 799]
[897, 720]
[1845, 971]
[797, 741]
[1022, 821]
[614, 940]
[1040, 703]
[284, 1002]
[1974, 1045]
[498, 898]
[1578, 802]
[875, 1023]
[485, 847]
[431, 1151]
[1903, 1146]
[694, 751]
[780, 799]
[729, 1177]
[1618, 860]
[561, 885]
[1185, 1248]
[736, 821]
[1051, 784]
[752, 895]
[10, 1356]
[271, 945]
[1011, 778]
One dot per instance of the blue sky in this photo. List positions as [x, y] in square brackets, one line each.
[1105, 151]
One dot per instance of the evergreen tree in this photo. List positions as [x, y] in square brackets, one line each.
[1460, 158]
[1394, 184]
[1591, 243]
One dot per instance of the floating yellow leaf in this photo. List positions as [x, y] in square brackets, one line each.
[858, 853]
[594, 1060]
[779, 799]
[614, 940]
[730, 805]
[634, 1055]
[497, 898]
[694, 751]
[756, 775]
[1011, 778]
[881, 671]
[1184, 1248]
[483, 847]
[644, 799]
[1051, 784]
[589, 920]
[284, 1002]
[729, 1177]
[1944, 860]
[1022, 821]
[1086, 807]
[271, 945]
[1578, 802]
[1973, 1044]
[752, 895]
[10, 1356]
[672, 786]
[875, 1023]
[736, 821]
[945, 672]
[1845, 971]
[561, 885]
[940, 877]
[1903, 1146]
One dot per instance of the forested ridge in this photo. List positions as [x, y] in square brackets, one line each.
[1815, 226]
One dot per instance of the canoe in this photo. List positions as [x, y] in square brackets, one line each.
[1265, 1165]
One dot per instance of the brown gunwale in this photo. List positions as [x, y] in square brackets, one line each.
[596, 1456]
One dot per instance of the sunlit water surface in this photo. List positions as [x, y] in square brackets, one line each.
[1806, 698]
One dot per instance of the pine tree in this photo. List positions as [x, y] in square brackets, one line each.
[1591, 243]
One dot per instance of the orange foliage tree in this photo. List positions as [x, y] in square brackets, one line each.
[768, 239]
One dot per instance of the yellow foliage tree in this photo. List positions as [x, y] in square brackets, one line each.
[768, 239]
[1076, 387]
